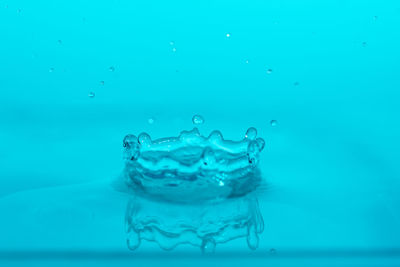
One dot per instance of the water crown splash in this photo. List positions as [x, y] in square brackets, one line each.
[192, 167]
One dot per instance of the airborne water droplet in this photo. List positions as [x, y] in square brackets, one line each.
[197, 119]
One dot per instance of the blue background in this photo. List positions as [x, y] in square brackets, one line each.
[331, 161]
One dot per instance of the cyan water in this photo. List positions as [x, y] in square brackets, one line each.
[196, 133]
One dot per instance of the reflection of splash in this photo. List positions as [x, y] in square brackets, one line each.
[191, 166]
[170, 224]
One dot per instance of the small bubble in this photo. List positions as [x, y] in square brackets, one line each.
[274, 123]
[172, 43]
[269, 71]
[197, 119]
[112, 68]
[272, 251]
[92, 94]
[59, 41]
[150, 121]
[51, 70]
[364, 44]
[174, 49]
[101, 82]
[19, 10]
[296, 83]
[228, 35]
[375, 17]
[221, 183]
[246, 61]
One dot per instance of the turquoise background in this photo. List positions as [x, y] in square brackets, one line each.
[331, 162]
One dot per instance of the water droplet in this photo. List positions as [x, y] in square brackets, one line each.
[133, 240]
[129, 140]
[228, 35]
[269, 71]
[101, 82]
[252, 237]
[132, 147]
[215, 136]
[251, 133]
[208, 245]
[92, 94]
[150, 120]
[174, 49]
[252, 153]
[51, 70]
[261, 143]
[209, 157]
[112, 68]
[197, 119]
[246, 61]
[274, 123]
[172, 43]
[296, 83]
[144, 139]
